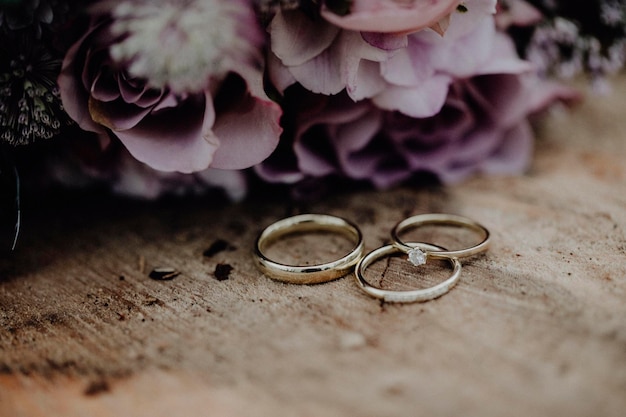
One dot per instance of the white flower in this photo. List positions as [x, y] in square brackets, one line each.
[183, 44]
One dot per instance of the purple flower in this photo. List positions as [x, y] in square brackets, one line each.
[178, 98]
[482, 127]
[417, 77]
[410, 73]
[322, 57]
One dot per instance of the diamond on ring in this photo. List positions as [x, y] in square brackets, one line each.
[417, 256]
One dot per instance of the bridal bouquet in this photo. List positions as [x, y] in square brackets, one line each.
[153, 97]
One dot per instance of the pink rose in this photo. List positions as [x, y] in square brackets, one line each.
[134, 75]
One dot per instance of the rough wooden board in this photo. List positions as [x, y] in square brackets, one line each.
[535, 327]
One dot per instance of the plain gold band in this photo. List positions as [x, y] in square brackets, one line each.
[419, 220]
[409, 296]
[308, 274]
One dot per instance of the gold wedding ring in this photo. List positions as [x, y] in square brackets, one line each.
[409, 296]
[419, 220]
[308, 274]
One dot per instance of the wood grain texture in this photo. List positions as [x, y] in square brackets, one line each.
[537, 326]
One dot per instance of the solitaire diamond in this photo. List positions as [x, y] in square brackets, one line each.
[417, 257]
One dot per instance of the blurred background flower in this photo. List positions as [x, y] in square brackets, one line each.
[572, 38]
[83, 165]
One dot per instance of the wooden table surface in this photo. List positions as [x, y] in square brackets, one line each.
[535, 327]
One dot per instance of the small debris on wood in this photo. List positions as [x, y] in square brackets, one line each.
[150, 301]
[218, 246]
[222, 271]
[97, 387]
[164, 273]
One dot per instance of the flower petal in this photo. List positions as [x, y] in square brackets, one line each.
[392, 16]
[367, 81]
[322, 74]
[503, 58]
[138, 93]
[385, 41]
[73, 92]
[352, 138]
[279, 75]
[296, 38]
[513, 153]
[340, 115]
[116, 115]
[104, 87]
[183, 143]
[424, 100]
[409, 66]
[464, 56]
[247, 134]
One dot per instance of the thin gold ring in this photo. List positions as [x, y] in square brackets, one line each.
[308, 274]
[409, 296]
[419, 220]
